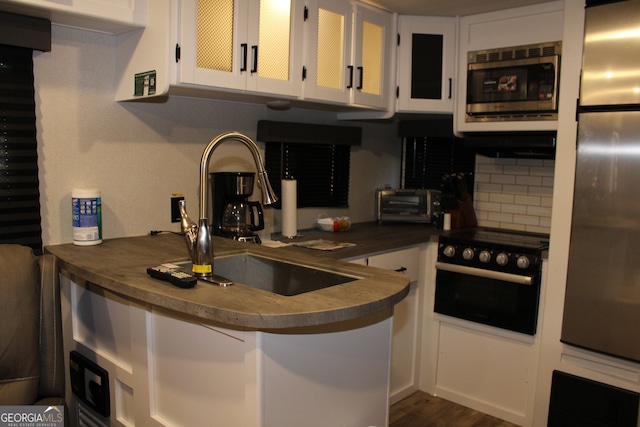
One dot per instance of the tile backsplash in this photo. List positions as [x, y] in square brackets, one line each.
[514, 194]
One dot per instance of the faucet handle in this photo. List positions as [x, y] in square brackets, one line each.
[189, 228]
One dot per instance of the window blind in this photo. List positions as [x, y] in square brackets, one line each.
[19, 185]
[321, 172]
[317, 156]
[427, 159]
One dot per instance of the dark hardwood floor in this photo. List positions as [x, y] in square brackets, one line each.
[423, 410]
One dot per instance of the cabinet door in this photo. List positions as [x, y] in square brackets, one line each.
[404, 348]
[426, 64]
[371, 57]
[275, 47]
[212, 47]
[238, 44]
[405, 260]
[328, 34]
[406, 331]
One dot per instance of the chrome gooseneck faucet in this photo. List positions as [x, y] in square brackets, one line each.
[198, 236]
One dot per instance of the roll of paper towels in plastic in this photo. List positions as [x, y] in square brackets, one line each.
[447, 222]
[289, 208]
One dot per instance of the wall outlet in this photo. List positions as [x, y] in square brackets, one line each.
[175, 211]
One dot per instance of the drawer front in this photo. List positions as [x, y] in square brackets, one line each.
[404, 260]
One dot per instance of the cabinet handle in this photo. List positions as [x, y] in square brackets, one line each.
[401, 269]
[350, 85]
[361, 70]
[254, 50]
[450, 87]
[243, 56]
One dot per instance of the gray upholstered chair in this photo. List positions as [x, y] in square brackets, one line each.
[31, 349]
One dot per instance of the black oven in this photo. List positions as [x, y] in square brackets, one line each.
[490, 277]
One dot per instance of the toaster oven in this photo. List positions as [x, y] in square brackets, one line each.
[406, 205]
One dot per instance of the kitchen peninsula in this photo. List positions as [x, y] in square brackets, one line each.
[234, 356]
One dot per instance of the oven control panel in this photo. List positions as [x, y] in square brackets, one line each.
[507, 259]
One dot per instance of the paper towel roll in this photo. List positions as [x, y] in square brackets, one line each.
[447, 222]
[289, 208]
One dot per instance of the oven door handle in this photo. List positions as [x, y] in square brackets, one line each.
[487, 274]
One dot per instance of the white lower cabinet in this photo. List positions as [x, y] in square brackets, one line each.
[486, 369]
[168, 369]
[406, 320]
[405, 348]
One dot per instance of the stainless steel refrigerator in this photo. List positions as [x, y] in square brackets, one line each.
[602, 306]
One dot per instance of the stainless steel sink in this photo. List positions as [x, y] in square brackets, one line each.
[275, 276]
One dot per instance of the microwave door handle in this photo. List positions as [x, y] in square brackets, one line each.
[487, 274]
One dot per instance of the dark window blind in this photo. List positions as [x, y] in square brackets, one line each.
[321, 172]
[19, 186]
[428, 159]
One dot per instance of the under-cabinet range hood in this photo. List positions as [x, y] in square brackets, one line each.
[528, 145]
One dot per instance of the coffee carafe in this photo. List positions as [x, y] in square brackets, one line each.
[241, 218]
[234, 215]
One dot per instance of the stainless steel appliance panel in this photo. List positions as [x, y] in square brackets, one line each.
[610, 67]
[513, 83]
[602, 304]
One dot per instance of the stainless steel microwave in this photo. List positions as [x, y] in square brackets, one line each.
[515, 83]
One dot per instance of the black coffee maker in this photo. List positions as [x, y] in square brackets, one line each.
[234, 216]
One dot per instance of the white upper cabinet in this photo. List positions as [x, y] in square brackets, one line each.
[537, 23]
[242, 45]
[347, 57]
[108, 16]
[426, 64]
[334, 53]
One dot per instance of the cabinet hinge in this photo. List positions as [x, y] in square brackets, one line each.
[306, 13]
[304, 73]
[177, 52]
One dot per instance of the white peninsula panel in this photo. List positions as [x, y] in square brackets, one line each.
[171, 369]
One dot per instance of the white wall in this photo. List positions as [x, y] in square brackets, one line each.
[141, 153]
